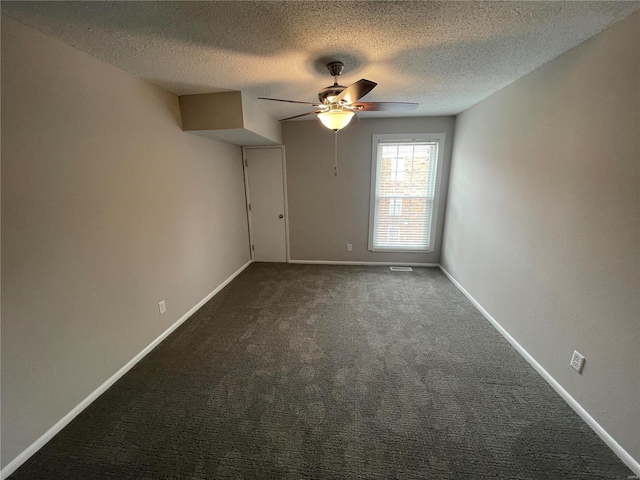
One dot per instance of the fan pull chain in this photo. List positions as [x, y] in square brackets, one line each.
[335, 143]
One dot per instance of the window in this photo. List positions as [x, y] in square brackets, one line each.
[397, 169]
[404, 187]
[393, 235]
[395, 207]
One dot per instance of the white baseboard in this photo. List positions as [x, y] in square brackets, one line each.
[339, 262]
[49, 434]
[601, 432]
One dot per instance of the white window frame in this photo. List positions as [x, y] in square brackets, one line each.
[373, 209]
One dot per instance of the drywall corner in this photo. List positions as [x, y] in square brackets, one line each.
[230, 117]
[260, 122]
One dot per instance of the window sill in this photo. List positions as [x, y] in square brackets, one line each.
[398, 250]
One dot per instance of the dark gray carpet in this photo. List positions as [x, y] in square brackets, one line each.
[300, 371]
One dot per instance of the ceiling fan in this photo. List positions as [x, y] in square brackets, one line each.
[338, 104]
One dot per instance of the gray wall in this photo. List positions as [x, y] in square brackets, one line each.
[542, 224]
[107, 208]
[327, 212]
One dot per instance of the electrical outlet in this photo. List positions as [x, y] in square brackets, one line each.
[349, 247]
[162, 307]
[577, 361]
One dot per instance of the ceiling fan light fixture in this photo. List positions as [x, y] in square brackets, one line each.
[335, 119]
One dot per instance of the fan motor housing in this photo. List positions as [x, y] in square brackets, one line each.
[327, 94]
[331, 91]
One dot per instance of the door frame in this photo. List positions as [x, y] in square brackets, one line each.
[284, 192]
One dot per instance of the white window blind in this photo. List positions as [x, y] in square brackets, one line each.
[393, 235]
[404, 190]
[395, 206]
[397, 169]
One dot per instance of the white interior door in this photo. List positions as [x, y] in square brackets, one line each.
[265, 181]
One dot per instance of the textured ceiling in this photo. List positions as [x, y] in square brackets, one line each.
[445, 55]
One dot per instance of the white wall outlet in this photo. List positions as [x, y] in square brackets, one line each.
[162, 307]
[349, 247]
[577, 361]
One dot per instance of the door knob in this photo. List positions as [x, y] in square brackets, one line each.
[281, 216]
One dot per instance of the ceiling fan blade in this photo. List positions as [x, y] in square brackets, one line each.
[383, 106]
[355, 91]
[304, 114]
[289, 101]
